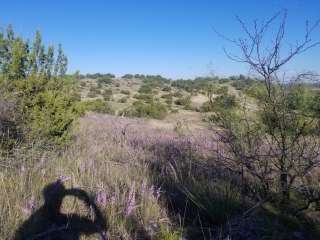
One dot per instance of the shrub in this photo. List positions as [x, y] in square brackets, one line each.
[226, 101]
[207, 107]
[9, 118]
[145, 89]
[97, 105]
[166, 89]
[107, 94]
[104, 80]
[145, 97]
[128, 76]
[126, 92]
[123, 100]
[93, 92]
[147, 110]
[184, 101]
[168, 98]
[178, 94]
[52, 115]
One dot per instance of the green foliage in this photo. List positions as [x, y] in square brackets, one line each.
[178, 94]
[184, 101]
[256, 90]
[166, 89]
[100, 76]
[200, 83]
[104, 80]
[45, 100]
[153, 109]
[60, 67]
[123, 100]
[97, 105]
[314, 104]
[107, 94]
[168, 98]
[93, 92]
[145, 97]
[52, 115]
[226, 101]
[127, 76]
[145, 89]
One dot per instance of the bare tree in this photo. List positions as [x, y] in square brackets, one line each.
[280, 146]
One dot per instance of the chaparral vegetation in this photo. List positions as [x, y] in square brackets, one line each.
[146, 157]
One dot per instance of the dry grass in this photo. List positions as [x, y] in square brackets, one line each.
[109, 155]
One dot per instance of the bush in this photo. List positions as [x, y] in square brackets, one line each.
[226, 101]
[147, 110]
[222, 102]
[166, 89]
[52, 115]
[123, 100]
[178, 94]
[127, 76]
[97, 105]
[107, 94]
[9, 118]
[145, 97]
[93, 92]
[184, 101]
[104, 80]
[145, 89]
[207, 107]
[126, 92]
[168, 98]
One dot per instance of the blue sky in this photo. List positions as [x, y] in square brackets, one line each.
[174, 38]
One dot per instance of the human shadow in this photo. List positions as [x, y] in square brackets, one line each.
[50, 224]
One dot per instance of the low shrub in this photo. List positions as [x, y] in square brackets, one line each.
[145, 97]
[93, 92]
[104, 80]
[154, 109]
[123, 100]
[126, 92]
[184, 101]
[178, 94]
[166, 89]
[97, 105]
[107, 94]
[145, 89]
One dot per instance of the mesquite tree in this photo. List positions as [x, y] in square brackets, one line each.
[279, 147]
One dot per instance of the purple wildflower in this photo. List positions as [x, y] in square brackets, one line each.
[130, 204]
[101, 198]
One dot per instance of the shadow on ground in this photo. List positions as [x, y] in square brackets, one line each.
[49, 223]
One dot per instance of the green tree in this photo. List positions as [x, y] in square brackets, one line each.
[18, 66]
[60, 68]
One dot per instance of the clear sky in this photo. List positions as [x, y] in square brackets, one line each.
[174, 38]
